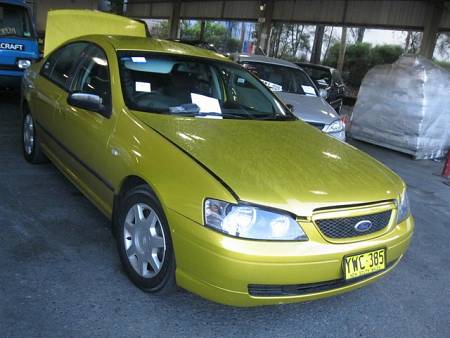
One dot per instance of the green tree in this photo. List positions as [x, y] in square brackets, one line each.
[360, 57]
[385, 54]
[289, 40]
[215, 33]
[160, 29]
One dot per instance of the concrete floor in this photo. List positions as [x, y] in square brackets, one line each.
[60, 274]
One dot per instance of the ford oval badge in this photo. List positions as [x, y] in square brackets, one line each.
[363, 226]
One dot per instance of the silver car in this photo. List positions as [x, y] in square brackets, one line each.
[296, 89]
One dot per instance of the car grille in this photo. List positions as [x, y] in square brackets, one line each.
[317, 125]
[345, 227]
[260, 290]
[9, 67]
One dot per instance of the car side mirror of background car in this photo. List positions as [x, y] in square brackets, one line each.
[86, 101]
[290, 107]
[323, 93]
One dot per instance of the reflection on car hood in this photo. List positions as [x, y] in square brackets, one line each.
[310, 108]
[287, 165]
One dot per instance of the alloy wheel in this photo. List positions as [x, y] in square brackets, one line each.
[144, 240]
[28, 134]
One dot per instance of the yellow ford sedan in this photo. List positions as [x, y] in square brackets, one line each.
[209, 180]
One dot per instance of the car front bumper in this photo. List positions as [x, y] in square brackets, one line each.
[339, 135]
[237, 272]
[10, 79]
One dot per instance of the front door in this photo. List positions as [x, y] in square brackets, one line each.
[86, 133]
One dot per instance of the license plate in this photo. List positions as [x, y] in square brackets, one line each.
[364, 263]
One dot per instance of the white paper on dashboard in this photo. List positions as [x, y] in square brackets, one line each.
[206, 104]
[144, 87]
[309, 90]
[273, 86]
[138, 59]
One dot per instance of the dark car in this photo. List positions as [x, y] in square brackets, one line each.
[327, 78]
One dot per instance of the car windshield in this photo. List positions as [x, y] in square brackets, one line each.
[318, 74]
[171, 84]
[15, 22]
[282, 78]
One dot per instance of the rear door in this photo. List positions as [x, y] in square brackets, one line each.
[52, 84]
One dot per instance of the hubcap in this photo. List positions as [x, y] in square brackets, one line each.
[144, 240]
[28, 134]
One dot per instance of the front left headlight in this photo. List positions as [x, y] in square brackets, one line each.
[403, 210]
[251, 222]
[335, 127]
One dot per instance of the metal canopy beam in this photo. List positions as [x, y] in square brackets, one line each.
[388, 14]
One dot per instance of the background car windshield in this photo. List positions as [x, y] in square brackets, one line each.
[14, 21]
[282, 79]
[318, 74]
[192, 86]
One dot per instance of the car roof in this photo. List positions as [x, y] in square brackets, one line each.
[267, 59]
[148, 44]
[314, 65]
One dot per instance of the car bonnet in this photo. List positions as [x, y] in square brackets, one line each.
[310, 108]
[287, 165]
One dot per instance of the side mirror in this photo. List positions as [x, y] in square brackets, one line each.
[323, 93]
[86, 101]
[290, 107]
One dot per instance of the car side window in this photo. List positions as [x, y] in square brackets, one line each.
[92, 76]
[60, 64]
[49, 64]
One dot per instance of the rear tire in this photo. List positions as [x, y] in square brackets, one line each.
[30, 142]
[144, 242]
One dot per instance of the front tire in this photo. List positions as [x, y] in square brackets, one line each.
[30, 142]
[144, 242]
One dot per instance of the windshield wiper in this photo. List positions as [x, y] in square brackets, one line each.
[211, 115]
[191, 109]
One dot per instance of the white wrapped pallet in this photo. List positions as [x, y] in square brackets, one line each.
[406, 107]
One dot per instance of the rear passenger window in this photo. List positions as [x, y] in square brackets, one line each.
[61, 63]
[49, 64]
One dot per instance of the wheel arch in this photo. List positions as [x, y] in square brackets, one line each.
[128, 183]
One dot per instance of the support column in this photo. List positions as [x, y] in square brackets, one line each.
[174, 32]
[431, 28]
[317, 44]
[202, 30]
[265, 24]
[241, 41]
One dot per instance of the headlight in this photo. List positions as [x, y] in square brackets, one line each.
[403, 211]
[247, 221]
[23, 63]
[336, 127]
